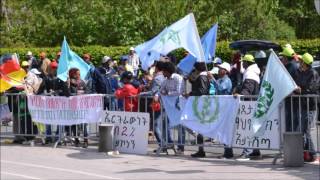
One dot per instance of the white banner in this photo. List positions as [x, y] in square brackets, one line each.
[211, 116]
[66, 110]
[130, 130]
[244, 135]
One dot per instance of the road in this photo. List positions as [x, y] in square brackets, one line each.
[67, 162]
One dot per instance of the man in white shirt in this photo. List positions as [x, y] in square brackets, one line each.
[134, 61]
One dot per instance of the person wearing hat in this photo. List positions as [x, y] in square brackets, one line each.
[124, 64]
[25, 66]
[224, 87]
[250, 86]
[105, 82]
[128, 93]
[286, 57]
[33, 63]
[134, 61]
[307, 80]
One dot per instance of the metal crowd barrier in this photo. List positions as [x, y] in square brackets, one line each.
[300, 115]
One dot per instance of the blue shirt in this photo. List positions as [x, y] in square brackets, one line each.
[224, 86]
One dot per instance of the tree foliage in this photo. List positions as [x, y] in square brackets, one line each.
[29, 23]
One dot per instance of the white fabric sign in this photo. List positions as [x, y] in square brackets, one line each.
[66, 110]
[244, 135]
[211, 116]
[130, 130]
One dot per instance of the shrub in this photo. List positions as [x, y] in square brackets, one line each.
[97, 52]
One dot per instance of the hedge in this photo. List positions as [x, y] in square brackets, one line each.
[97, 52]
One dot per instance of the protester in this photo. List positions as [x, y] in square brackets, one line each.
[77, 87]
[250, 86]
[286, 57]
[90, 79]
[173, 86]
[57, 57]
[44, 64]
[134, 61]
[128, 92]
[124, 64]
[160, 132]
[307, 80]
[200, 86]
[33, 63]
[224, 87]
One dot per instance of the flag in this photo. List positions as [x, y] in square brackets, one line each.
[276, 85]
[173, 106]
[211, 116]
[69, 60]
[208, 42]
[11, 74]
[181, 34]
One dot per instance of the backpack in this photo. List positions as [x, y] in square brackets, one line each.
[212, 87]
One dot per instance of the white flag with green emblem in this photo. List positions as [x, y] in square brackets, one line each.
[211, 116]
[276, 85]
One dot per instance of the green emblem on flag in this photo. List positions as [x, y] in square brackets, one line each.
[265, 99]
[205, 115]
[171, 35]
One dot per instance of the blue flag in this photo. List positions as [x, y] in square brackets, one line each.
[69, 60]
[208, 42]
[181, 34]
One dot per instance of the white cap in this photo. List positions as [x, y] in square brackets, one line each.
[35, 71]
[288, 46]
[260, 54]
[105, 59]
[131, 49]
[214, 70]
[29, 53]
[225, 66]
[217, 60]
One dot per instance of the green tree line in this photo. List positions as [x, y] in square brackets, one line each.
[43, 23]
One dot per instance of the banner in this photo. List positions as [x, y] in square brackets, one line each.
[181, 34]
[244, 136]
[130, 130]
[211, 116]
[276, 85]
[173, 106]
[208, 42]
[66, 110]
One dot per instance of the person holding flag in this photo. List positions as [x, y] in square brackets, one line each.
[307, 80]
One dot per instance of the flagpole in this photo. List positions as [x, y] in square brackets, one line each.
[198, 40]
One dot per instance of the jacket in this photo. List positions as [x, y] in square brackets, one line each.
[308, 81]
[200, 86]
[128, 92]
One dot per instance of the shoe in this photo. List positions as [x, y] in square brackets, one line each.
[255, 155]
[308, 157]
[179, 152]
[76, 142]
[243, 157]
[162, 150]
[228, 156]
[85, 143]
[199, 154]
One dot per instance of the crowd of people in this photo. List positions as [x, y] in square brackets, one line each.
[126, 80]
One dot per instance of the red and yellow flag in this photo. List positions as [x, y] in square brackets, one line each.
[11, 74]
